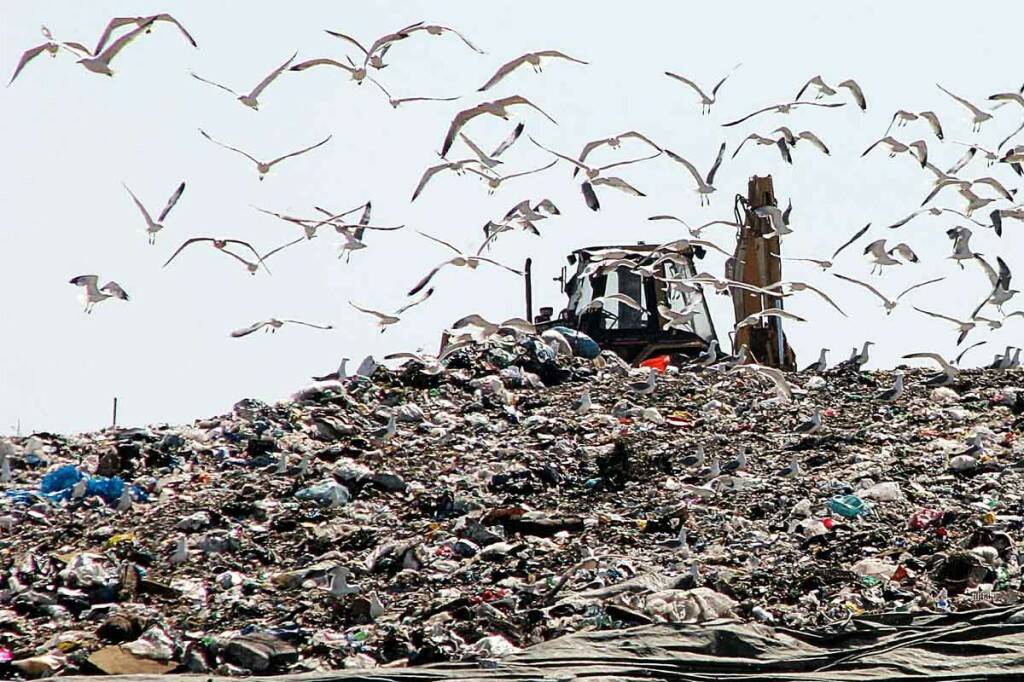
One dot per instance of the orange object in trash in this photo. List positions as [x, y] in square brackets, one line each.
[659, 363]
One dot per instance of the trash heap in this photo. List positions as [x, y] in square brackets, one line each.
[501, 511]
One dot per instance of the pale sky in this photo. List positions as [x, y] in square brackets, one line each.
[70, 138]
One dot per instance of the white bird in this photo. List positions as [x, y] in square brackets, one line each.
[819, 365]
[494, 179]
[356, 73]
[339, 585]
[961, 237]
[965, 187]
[582, 404]
[145, 22]
[531, 58]
[601, 302]
[1000, 282]
[791, 471]
[695, 232]
[931, 211]
[51, 47]
[810, 425]
[251, 99]
[100, 63]
[497, 108]
[272, 325]
[705, 186]
[460, 260]
[902, 118]
[881, 257]
[755, 318]
[380, 45]
[705, 100]
[180, 554]
[95, 293]
[385, 433]
[647, 386]
[482, 329]
[221, 245]
[263, 167]
[384, 320]
[918, 149]
[457, 167]
[891, 394]
[695, 460]
[964, 327]
[978, 116]
[739, 463]
[889, 304]
[614, 142]
[793, 138]
[679, 319]
[823, 90]
[789, 288]
[154, 226]
[782, 388]
[823, 264]
[435, 30]
[948, 374]
[784, 108]
[594, 177]
[779, 144]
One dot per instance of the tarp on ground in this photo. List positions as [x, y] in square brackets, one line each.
[977, 645]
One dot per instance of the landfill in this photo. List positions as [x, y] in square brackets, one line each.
[514, 498]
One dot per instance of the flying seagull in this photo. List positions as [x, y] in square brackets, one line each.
[779, 144]
[784, 108]
[1000, 282]
[95, 293]
[963, 327]
[460, 260]
[705, 101]
[272, 325]
[220, 245]
[823, 90]
[154, 226]
[889, 304]
[498, 107]
[380, 45]
[100, 63]
[931, 211]
[457, 167]
[751, 320]
[145, 22]
[356, 73]
[705, 186]
[263, 167]
[787, 288]
[782, 388]
[251, 99]
[384, 320]
[857, 235]
[494, 179]
[978, 116]
[792, 139]
[435, 30]
[901, 118]
[613, 142]
[51, 47]
[823, 264]
[594, 177]
[918, 149]
[531, 58]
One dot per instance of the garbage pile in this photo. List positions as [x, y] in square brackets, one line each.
[516, 495]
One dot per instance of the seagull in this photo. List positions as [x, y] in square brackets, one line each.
[695, 460]
[751, 320]
[963, 327]
[882, 257]
[145, 22]
[263, 167]
[777, 219]
[384, 320]
[582, 404]
[695, 231]
[917, 149]
[483, 329]
[220, 245]
[251, 99]
[180, 554]
[435, 30]
[783, 109]
[791, 471]
[782, 388]
[792, 139]
[1001, 291]
[485, 160]
[94, 293]
[901, 118]
[457, 167]
[794, 287]
[382, 44]
[679, 543]
[890, 394]
[825, 90]
[497, 108]
[889, 304]
[594, 177]
[396, 102]
[337, 375]
[679, 319]
[531, 58]
[712, 471]
[645, 387]
[948, 374]
[961, 237]
[272, 325]
[819, 365]
[997, 216]
[613, 142]
[860, 359]
[965, 188]
[823, 264]
[705, 101]
[152, 227]
[780, 144]
[356, 73]
[978, 117]
[460, 260]
[931, 211]
[600, 302]
[494, 180]
[51, 47]
[857, 235]
[704, 185]
[972, 150]
[100, 63]
[385, 433]
[737, 464]
[338, 585]
[811, 425]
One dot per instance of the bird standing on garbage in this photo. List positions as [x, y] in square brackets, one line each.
[821, 364]
[891, 394]
[644, 387]
[180, 554]
[791, 471]
[382, 435]
[339, 586]
[737, 464]
[582, 404]
[811, 425]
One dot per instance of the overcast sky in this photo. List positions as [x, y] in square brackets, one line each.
[70, 138]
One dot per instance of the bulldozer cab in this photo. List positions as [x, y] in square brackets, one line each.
[635, 335]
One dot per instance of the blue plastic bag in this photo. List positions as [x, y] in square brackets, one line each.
[582, 345]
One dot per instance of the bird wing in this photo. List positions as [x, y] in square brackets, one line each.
[748, 138]
[776, 377]
[670, 217]
[587, 148]
[509, 141]
[687, 81]
[867, 286]
[108, 54]
[529, 172]
[855, 237]
[114, 289]
[309, 324]
[402, 100]
[426, 279]
[825, 296]
[90, 282]
[639, 136]
[964, 160]
[145, 213]
[974, 110]
[624, 299]
[625, 163]
[476, 150]
[427, 174]
[503, 71]
[964, 351]
[815, 140]
[856, 91]
[933, 121]
[241, 260]
[186, 243]
[302, 151]
[270, 253]
[237, 151]
[450, 30]
[558, 154]
[426, 294]
[921, 147]
[904, 250]
[1011, 135]
[239, 333]
[216, 85]
[997, 186]
[517, 99]
[989, 272]
[714, 90]
[364, 221]
[170, 202]
[321, 61]
[814, 81]
[246, 245]
[349, 39]
[26, 57]
[460, 120]
[556, 54]
[500, 265]
[749, 116]
[271, 76]
[939, 316]
[168, 18]
[440, 241]
[689, 166]
[590, 197]
[620, 184]
[714, 167]
[112, 25]
[1004, 273]
[932, 356]
[375, 313]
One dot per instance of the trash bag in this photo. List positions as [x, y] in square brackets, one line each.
[582, 345]
[58, 483]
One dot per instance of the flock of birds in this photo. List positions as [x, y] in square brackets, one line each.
[461, 155]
